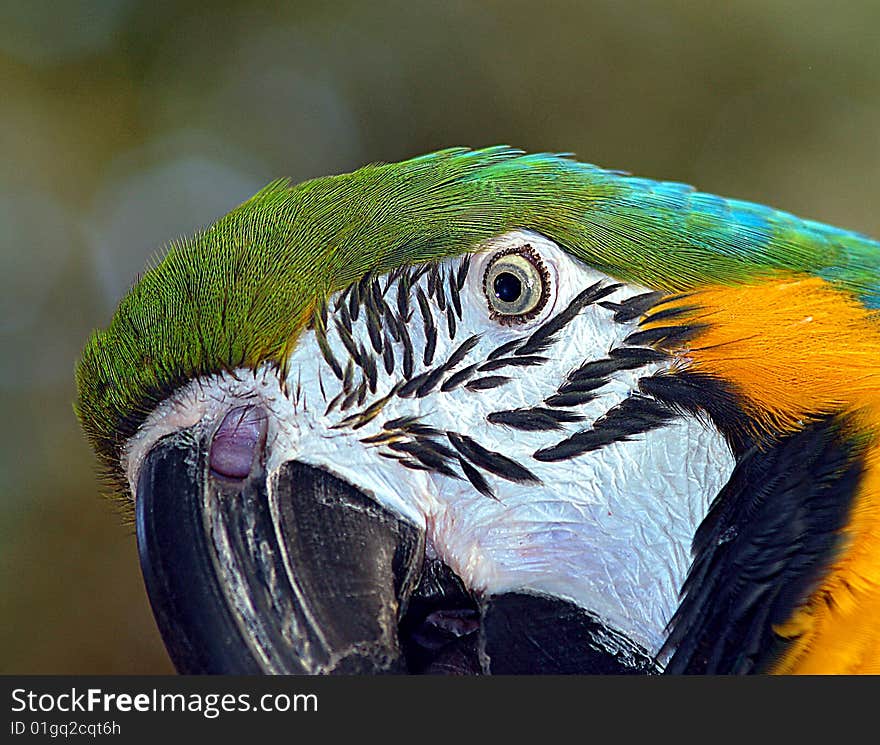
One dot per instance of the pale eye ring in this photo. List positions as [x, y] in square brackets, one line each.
[516, 284]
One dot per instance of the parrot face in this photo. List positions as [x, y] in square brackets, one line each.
[471, 450]
[459, 420]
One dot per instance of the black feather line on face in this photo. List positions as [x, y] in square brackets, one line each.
[637, 357]
[348, 377]
[526, 361]
[354, 301]
[489, 381]
[326, 351]
[491, 461]
[334, 402]
[476, 479]
[364, 289]
[374, 329]
[376, 296]
[371, 372]
[533, 420]
[424, 383]
[544, 335]
[400, 422]
[430, 345]
[433, 279]
[371, 412]
[582, 385]
[504, 349]
[441, 293]
[632, 416]
[451, 324]
[408, 352]
[598, 369]
[349, 400]
[633, 307]
[462, 351]
[414, 464]
[403, 288]
[409, 388]
[344, 317]
[388, 354]
[667, 314]
[430, 329]
[569, 399]
[433, 457]
[461, 275]
[455, 297]
[391, 278]
[456, 379]
[392, 325]
[418, 429]
[700, 394]
[348, 342]
[431, 382]
[664, 336]
[385, 308]
[341, 299]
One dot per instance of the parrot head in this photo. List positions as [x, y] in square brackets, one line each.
[492, 412]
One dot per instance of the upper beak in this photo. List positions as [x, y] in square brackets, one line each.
[303, 575]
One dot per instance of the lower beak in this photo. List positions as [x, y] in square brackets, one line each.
[305, 574]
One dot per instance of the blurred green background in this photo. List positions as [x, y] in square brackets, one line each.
[126, 123]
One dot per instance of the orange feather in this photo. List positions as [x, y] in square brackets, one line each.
[794, 348]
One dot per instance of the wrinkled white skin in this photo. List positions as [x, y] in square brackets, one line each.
[609, 530]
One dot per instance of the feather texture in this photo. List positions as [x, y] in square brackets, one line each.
[239, 293]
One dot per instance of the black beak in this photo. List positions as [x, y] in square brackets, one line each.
[306, 575]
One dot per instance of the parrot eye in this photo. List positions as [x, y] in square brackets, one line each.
[516, 284]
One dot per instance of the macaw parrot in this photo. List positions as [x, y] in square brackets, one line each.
[487, 412]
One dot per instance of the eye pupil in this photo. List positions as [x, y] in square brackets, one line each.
[508, 287]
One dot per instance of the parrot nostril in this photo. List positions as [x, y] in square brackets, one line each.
[236, 442]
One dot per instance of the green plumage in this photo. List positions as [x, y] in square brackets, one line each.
[240, 292]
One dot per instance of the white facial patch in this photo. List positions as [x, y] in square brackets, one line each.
[608, 528]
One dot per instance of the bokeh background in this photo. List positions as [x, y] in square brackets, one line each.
[127, 123]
